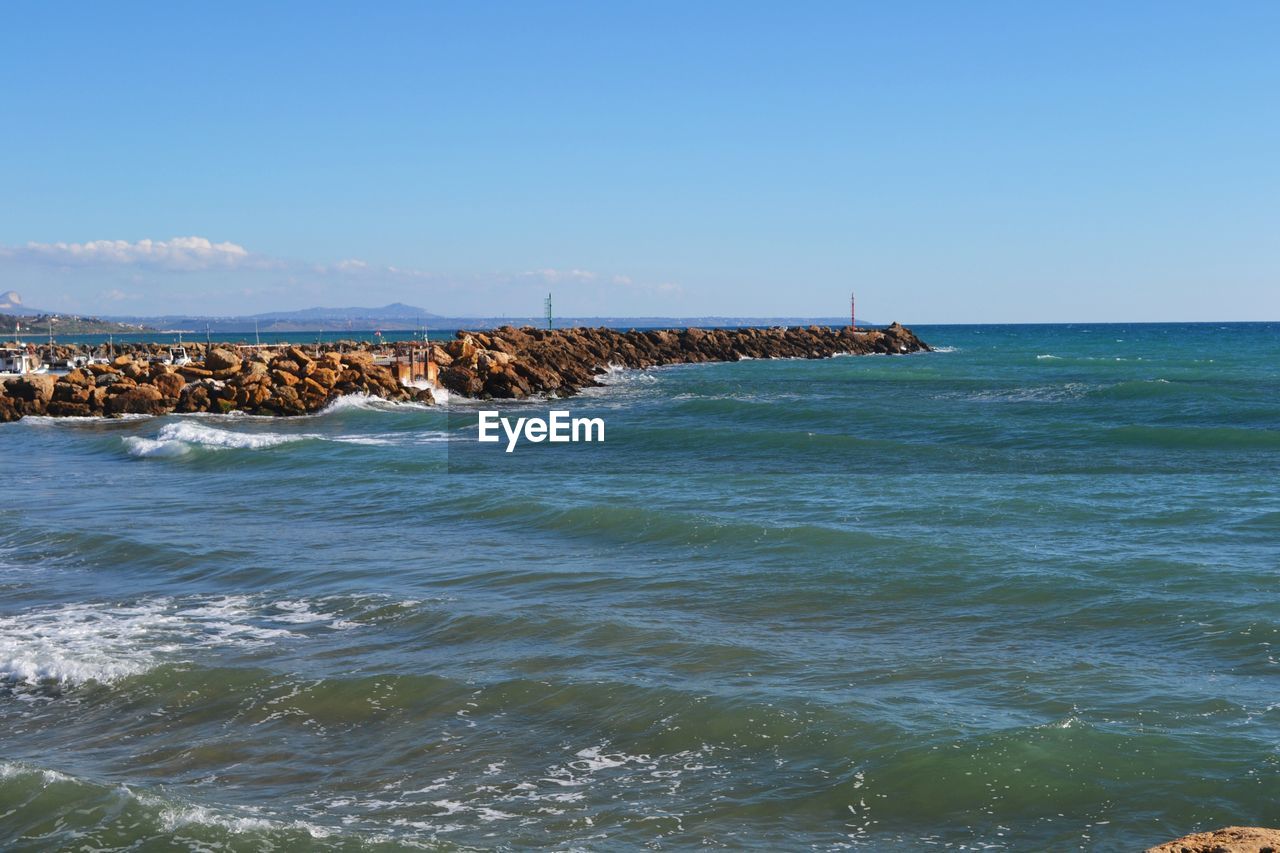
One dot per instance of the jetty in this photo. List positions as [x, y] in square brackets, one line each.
[504, 363]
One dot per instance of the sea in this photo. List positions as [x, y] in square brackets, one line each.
[1019, 593]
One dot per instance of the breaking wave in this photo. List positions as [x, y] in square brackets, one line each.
[179, 438]
[102, 642]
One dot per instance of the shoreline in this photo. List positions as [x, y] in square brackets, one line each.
[504, 364]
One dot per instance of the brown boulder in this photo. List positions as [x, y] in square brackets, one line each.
[1231, 839]
[79, 377]
[65, 392]
[169, 384]
[37, 388]
[357, 357]
[195, 398]
[8, 411]
[142, 400]
[298, 356]
[507, 385]
[462, 349]
[461, 381]
[65, 409]
[222, 359]
[283, 377]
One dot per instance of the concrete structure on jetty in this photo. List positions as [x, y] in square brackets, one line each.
[505, 363]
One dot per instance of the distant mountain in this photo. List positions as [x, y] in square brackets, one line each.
[394, 311]
[397, 315]
[401, 317]
[11, 301]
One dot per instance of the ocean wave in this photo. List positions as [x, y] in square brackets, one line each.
[1219, 438]
[185, 436]
[83, 808]
[179, 438]
[369, 402]
[103, 642]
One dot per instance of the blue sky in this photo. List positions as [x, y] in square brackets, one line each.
[951, 162]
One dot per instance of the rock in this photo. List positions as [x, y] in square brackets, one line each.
[1231, 839]
[169, 384]
[141, 400]
[357, 357]
[222, 359]
[36, 388]
[298, 356]
[462, 349]
[8, 411]
[506, 384]
[462, 381]
[195, 398]
[64, 409]
[285, 378]
[79, 377]
[65, 392]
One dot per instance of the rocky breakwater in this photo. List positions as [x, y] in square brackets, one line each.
[515, 363]
[505, 363]
[284, 381]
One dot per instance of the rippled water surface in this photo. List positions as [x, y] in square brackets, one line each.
[1019, 593]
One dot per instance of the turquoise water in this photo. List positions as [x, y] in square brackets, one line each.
[1020, 593]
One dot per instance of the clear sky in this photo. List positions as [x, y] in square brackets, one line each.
[949, 161]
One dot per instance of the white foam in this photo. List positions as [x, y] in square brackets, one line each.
[368, 402]
[176, 439]
[174, 816]
[78, 643]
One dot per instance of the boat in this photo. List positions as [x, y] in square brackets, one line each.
[177, 355]
[20, 359]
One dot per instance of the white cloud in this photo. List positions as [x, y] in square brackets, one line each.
[554, 275]
[179, 253]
